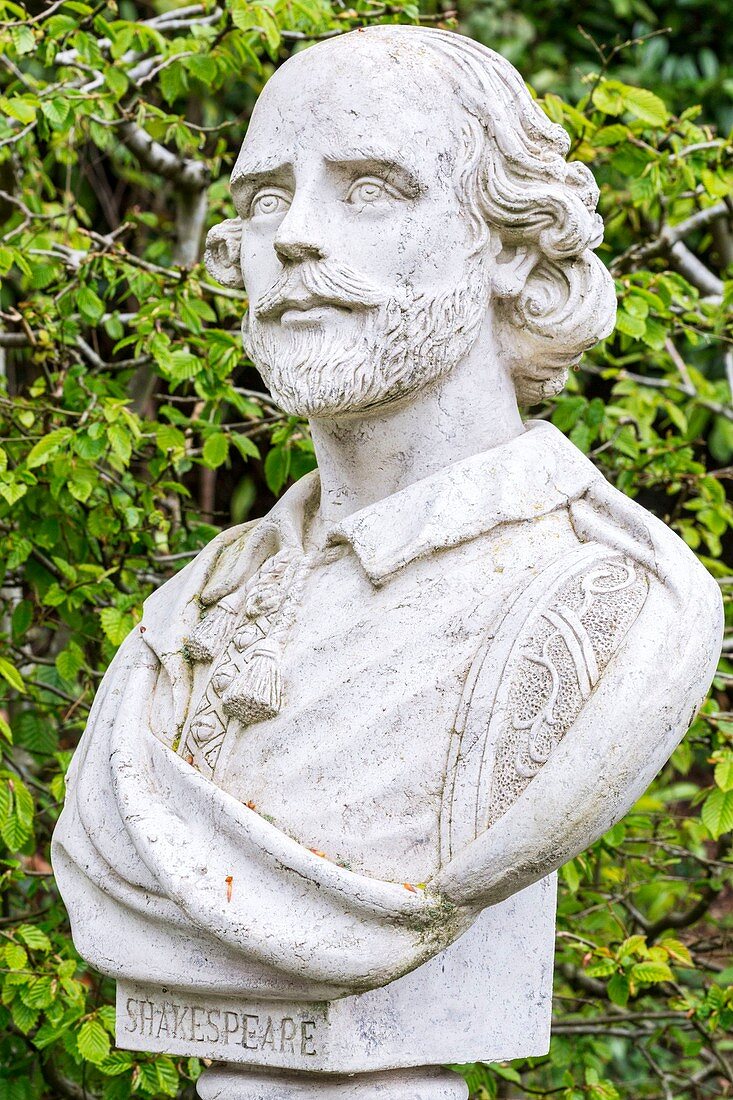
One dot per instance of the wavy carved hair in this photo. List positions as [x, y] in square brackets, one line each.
[513, 177]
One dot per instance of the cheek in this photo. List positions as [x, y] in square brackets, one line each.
[434, 248]
[260, 265]
[423, 247]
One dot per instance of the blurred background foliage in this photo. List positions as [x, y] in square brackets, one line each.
[132, 429]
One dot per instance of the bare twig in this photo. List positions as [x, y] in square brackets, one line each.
[671, 236]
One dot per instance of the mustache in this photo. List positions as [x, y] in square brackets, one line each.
[319, 283]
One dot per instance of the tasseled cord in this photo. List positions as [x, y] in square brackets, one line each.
[211, 633]
[256, 693]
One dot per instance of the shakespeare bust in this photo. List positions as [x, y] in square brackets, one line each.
[313, 825]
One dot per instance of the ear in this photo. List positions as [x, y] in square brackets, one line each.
[511, 268]
[221, 255]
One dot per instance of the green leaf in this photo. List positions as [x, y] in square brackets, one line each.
[19, 549]
[13, 491]
[678, 951]
[645, 105]
[202, 68]
[21, 108]
[618, 989]
[246, 446]
[22, 618]
[724, 772]
[168, 438]
[168, 1079]
[49, 1032]
[47, 447]
[35, 732]
[649, 972]
[610, 135]
[121, 442]
[16, 956]
[10, 673]
[118, 1062]
[173, 82]
[58, 26]
[33, 937]
[6, 800]
[601, 969]
[507, 1073]
[568, 411]
[277, 468]
[571, 874]
[56, 111]
[717, 812]
[629, 325]
[608, 97]
[116, 80]
[216, 450]
[633, 945]
[23, 804]
[24, 1017]
[93, 1041]
[148, 1079]
[39, 993]
[54, 595]
[183, 366]
[23, 39]
[81, 483]
[90, 305]
[70, 662]
[116, 624]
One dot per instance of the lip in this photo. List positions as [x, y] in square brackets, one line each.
[296, 315]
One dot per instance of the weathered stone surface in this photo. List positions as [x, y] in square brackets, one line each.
[488, 996]
[313, 824]
[420, 1084]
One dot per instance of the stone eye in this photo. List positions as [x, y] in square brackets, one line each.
[366, 191]
[269, 202]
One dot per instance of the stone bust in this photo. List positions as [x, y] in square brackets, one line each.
[313, 824]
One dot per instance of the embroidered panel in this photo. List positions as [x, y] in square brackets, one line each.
[561, 659]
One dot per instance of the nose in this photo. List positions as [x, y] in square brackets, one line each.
[293, 251]
[299, 235]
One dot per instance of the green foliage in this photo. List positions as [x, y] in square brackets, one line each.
[131, 429]
[680, 51]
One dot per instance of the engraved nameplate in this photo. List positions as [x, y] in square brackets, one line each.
[224, 1029]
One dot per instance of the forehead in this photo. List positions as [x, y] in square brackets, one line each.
[351, 98]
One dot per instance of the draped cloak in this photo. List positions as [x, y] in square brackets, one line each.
[529, 580]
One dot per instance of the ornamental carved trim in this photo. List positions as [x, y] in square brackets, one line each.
[529, 682]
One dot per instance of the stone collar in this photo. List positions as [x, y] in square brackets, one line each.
[536, 473]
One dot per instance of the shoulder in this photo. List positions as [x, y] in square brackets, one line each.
[605, 515]
[627, 623]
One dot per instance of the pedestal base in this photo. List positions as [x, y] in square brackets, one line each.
[239, 1083]
[486, 998]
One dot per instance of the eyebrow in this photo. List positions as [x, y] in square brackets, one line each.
[250, 175]
[380, 162]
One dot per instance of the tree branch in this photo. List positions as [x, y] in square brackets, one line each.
[694, 270]
[190, 175]
[670, 236]
[61, 1085]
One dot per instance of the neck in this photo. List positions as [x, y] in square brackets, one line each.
[364, 459]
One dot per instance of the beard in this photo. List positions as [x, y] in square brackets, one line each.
[379, 350]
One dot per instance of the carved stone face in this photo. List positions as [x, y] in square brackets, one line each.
[357, 257]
